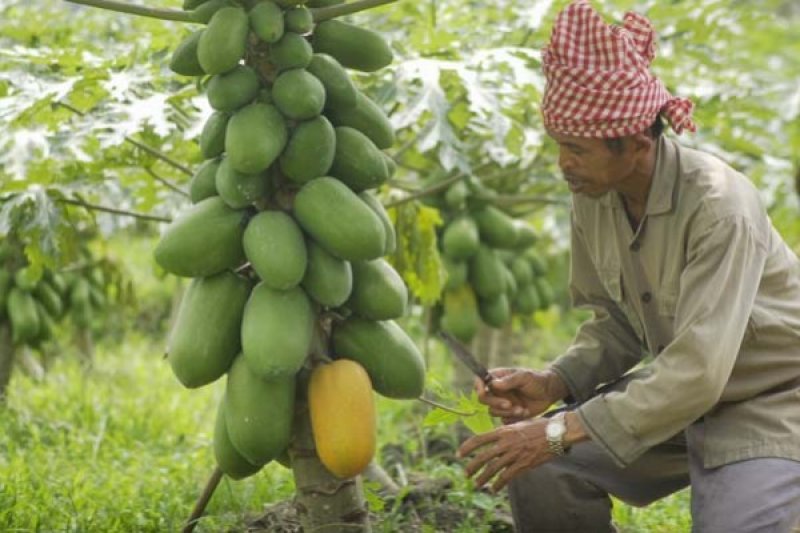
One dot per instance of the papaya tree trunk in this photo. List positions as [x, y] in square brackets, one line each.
[85, 344]
[323, 502]
[504, 348]
[6, 359]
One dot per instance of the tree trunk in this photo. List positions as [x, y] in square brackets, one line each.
[85, 347]
[324, 503]
[6, 359]
[504, 348]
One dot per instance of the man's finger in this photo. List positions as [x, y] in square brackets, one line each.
[482, 460]
[498, 463]
[473, 443]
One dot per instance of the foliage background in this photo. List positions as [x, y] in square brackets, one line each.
[81, 89]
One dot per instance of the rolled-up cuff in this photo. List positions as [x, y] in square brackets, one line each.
[608, 432]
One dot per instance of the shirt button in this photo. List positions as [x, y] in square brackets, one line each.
[646, 297]
[635, 246]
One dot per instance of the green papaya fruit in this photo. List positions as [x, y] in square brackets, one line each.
[456, 195]
[379, 293]
[212, 138]
[26, 278]
[357, 162]
[205, 336]
[328, 280]
[238, 189]
[205, 239]
[527, 300]
[298, 19]
[222, 45]
[339, 220]
[460, 316]
[309, 151]
[496, 228]
[522, 271]
[353, 46]
[298, 94]
[460, 239]
[266, 21]
[375, 204]
[340, 91]
[486, 273]
[6, 282]
[537, 262]
[391, 166]
[511, 285]
[184, 59]
[229, 460]
[526, 234]
[276, 331]
[456, 273]
[22, 315]
[367, 117]
[545, 291]
[255, 137]
[392, 360]
[495, 312]
[203, 182]
[276, 249]
[205, 11]
[233, 89]
[258, 413]
[46, 324]
[291, 51]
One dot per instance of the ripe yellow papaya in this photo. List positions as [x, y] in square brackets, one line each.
[342, 409]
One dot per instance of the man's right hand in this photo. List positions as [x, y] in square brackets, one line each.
[516, 393]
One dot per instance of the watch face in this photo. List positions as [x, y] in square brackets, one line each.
[555, 429]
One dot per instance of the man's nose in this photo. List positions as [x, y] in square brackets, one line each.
[565, 162]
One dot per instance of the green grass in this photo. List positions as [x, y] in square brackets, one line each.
[125, 448]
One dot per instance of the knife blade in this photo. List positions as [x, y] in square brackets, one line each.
[465, 356]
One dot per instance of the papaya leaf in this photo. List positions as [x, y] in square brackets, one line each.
[416, 258]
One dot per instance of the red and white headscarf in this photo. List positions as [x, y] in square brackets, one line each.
[598, 75]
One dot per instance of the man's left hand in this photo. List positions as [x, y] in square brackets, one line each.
[506, 452]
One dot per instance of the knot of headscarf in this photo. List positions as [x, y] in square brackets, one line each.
[598, 76]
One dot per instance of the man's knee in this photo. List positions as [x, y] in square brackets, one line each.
[550, 499]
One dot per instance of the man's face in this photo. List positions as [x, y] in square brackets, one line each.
[590, 167]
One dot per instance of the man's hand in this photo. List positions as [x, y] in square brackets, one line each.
[506, 451]
[517, 394]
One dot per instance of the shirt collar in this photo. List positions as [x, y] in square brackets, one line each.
[659, 200]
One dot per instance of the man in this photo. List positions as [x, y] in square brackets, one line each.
[695, 339]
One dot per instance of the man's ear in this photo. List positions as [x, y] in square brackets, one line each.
[643, 143]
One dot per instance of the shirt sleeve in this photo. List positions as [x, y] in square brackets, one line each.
[606, 345]
[718, 287]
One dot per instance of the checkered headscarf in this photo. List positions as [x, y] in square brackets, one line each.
[598, 79]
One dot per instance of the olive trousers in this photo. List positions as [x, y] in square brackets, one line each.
[571, 493]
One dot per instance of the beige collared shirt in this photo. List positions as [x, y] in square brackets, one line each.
[706, 297]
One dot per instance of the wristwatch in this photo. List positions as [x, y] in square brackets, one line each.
[554, 431]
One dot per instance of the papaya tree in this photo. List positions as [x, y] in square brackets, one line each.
[290, 296]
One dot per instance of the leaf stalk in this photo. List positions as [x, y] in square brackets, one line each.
[142, 11]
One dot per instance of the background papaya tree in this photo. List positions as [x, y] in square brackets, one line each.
[94, 122]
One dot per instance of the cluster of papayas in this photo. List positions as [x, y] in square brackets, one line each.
[493, 268]
[284, 228]
[33, 300]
